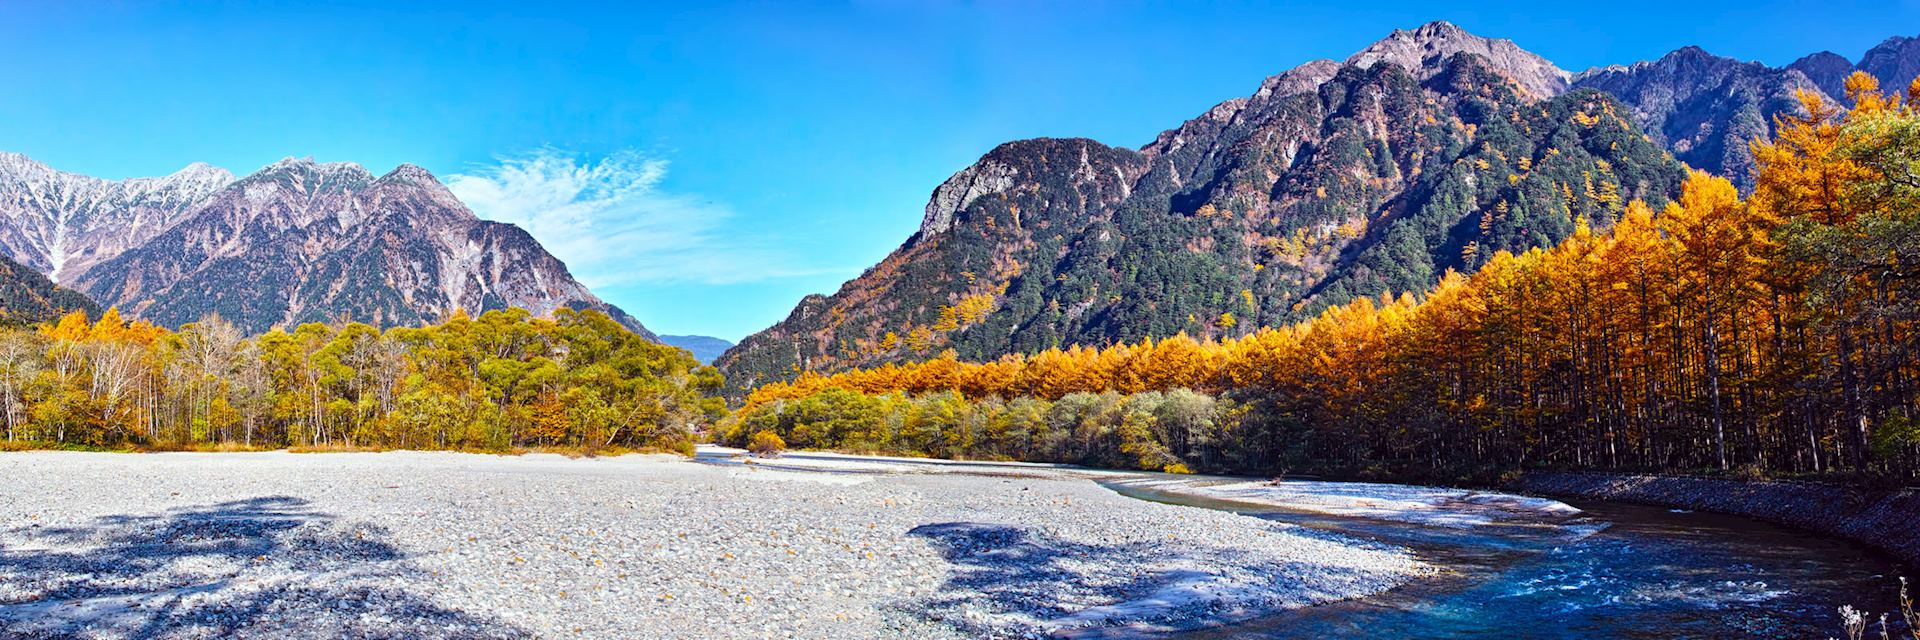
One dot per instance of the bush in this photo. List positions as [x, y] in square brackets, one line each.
[766, 444]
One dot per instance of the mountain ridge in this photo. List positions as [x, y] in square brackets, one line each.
[296, 241]
[1706, 107]
[1331, 181]
[1308, 177]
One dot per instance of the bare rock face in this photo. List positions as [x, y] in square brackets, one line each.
[958, 192]
[1424, 52]
[1895, 63]
[1827, 70]
[1305, 78]
[298, 241]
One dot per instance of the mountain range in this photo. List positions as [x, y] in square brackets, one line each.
[1704, 108]
[298, 241]
[1426, 151]
[704, 348]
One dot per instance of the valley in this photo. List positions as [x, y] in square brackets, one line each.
[1437, 339]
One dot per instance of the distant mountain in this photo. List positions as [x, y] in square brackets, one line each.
[64, 223]
[1895, 62]
[29, 298]
[1426, 151]
[1706, 108]
[704, 348]
[296, 242]
[1826, 70]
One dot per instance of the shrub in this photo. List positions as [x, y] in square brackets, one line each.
[766, 444]
[1749, 473]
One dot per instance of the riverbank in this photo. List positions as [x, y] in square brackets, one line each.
[447, 545]
[1885, 520]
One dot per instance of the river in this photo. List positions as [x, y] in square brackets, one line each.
[1613, 571]
[1616, 571]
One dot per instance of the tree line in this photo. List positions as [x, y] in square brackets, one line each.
[1773, 332]
[500, 381]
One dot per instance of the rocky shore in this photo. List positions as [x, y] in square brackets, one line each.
[1886, 520]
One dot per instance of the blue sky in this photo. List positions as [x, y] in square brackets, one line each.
[705, 167]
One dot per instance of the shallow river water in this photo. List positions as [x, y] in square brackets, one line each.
[1616, 571]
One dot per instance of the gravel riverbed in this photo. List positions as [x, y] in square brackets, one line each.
[450, 545]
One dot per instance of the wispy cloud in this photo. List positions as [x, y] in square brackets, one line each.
[612, 223]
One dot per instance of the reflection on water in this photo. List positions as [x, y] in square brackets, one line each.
[1618, 571]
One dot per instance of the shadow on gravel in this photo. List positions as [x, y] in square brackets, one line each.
[1011, 581]
[263, 567]
[1005, 569]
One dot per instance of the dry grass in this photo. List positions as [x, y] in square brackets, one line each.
[599, 452]
[36, 445]
[196, 447]
[334, 448]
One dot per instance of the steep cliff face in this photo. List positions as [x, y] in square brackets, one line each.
[296, 242]
[1427, 151]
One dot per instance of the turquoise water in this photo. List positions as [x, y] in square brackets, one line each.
[1617, 571]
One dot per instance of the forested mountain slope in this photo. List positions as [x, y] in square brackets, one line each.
[1427, 151]
[28, 298]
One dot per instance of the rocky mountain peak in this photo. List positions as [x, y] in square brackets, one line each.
[194, 181]
[1694, 57]
[20, 167]
[307, 166]
[201, 171]
[1094, 170]
[1895, 62]
[1827, 70]
[61, 223]
[306, 177]
[1425, 50]
[410, 173]
[413, 182]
